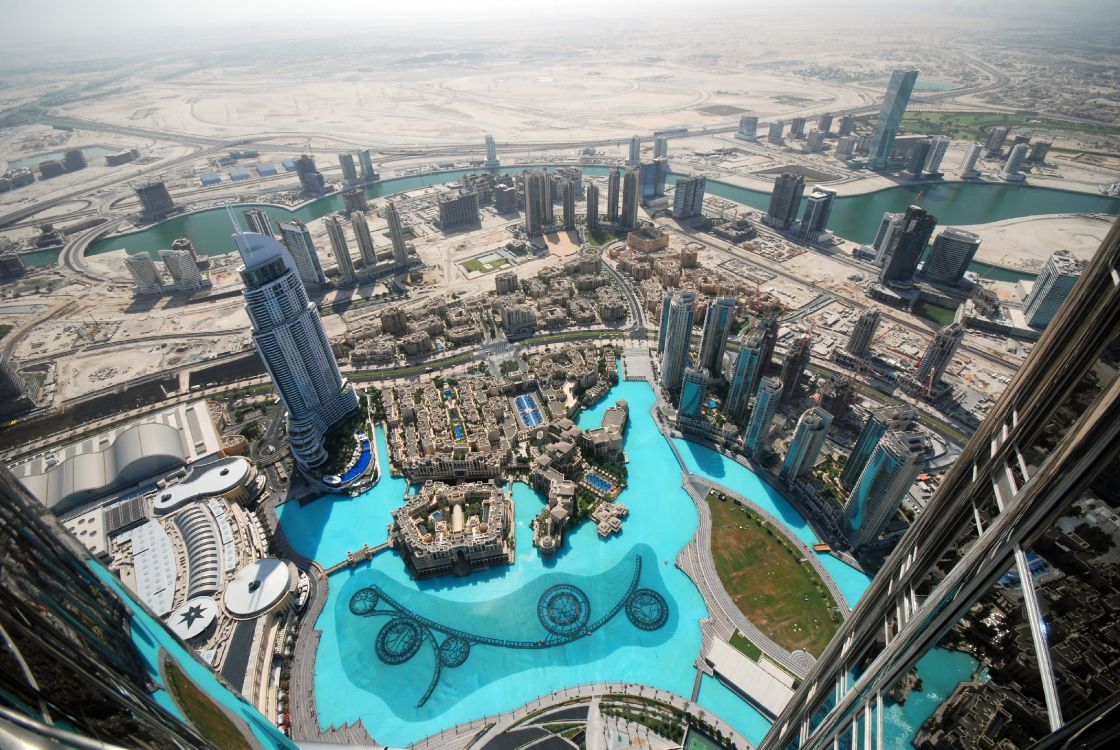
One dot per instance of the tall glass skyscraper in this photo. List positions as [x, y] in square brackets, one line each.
[883, 483]
[745, 375]
[717, 324]
[677, 326]
[1006, 573]
[766, 406]
[290, 339]
[890, 115]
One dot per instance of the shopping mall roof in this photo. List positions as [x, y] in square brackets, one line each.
[258, 587]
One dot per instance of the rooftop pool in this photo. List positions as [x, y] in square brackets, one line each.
[411, 658]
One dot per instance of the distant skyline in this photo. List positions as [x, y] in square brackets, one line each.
[32, 27]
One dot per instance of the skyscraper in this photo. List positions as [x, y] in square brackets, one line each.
[569, 195]
[677, 337]
[793, 366]
[1034, 470]
[1051, 288]
[879, 422]
[890, 116]
[145, 275]
[364, 239]
[996, 137]
[613, 186]
[660, 147]
[396, 234]
[879, 491]
[968, 165]
[293, 346]
[635, 157]
[1010, 172]
[631, 197]
[688, 197]
[365, 158]
[863, 332]
[748, 128]
[660, 174]
[533, 189]
[918, 158]
[717, 323]
[491, 153]
[939, 355]
[818, 209]
[155, 200]
[592, 203]
[901, 259]
[259, 222]
[797, 128]
[666, 305]
[297, 239]
[765, 407]
[824, 123]
[774, 133]
[548, 216]
[769, 327]
[847, 125]
[889, 227]
[745, 375]
[310, 178]
[953, 249]
[341, 249]
[16, 393]
[808, 439]
[785, 200]
[1039, 151]
[85, 665]
[349, 167]
[693, 388]
[182, 268]
[939, 144]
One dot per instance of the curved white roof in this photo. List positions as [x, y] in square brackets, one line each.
[217, 478]
[257, 587]
[193, 617]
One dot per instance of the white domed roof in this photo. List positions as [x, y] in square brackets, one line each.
[257, 588]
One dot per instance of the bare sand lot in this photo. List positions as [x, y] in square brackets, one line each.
[1027, 243]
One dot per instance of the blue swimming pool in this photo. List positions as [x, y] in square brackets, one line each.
[599, 483]
[458, 430]
[467, 625]
[529, 411]
[363, 463]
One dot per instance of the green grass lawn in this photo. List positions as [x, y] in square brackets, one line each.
[744, 646]
[205, 715]
[936, 313]
[474, 264]
[600, 237]
[764, 575]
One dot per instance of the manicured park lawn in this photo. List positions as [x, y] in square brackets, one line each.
[764, 575]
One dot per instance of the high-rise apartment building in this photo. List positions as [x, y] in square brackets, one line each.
[458, 210]
[293, 346]
[17, 393]
[396, 234]
[694, 385]
[259, 222]
[889, 227]
[491, 152]
[1039, 151]
[785, 200]
[953, 249]
[660, 147]
[745, 375]
[815, 142]
[666, 305]
[614, 183]
[818, 209]
[569, 196]
[996, 138]
[863, 332]
[635, 157]
[847, 125]
[939, 144]
[182, 267]
[748, 128]
[688, 197]
[534, 188]
[769, 327]
[793, 366]
[155, 200]
[824, 123]
[341, 249]
[365, 159]
[890, 116]
[349, 167]
[968, 164]
[145, 276]
[1010, 171]
[765, 407]
[882, 485]
[297, 239]
[900, 261]
[310, 178]
[591, 200]
[631, 198]
[1051, 288]
[774, 133]
[679, 318]
[364, 239]
[879, 423]
[805, 447]
[797, 128]
[355, 201]
[918, 157]
[717, 324]
[995, 563]
[939, 355]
